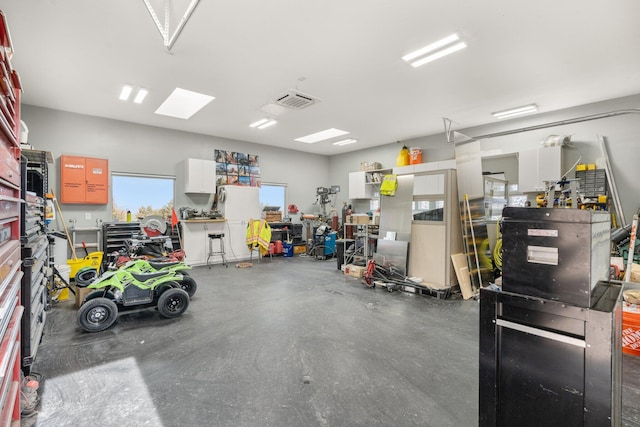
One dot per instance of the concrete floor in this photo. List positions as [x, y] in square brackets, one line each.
[287, 342]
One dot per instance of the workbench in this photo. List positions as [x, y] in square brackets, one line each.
[195, 238]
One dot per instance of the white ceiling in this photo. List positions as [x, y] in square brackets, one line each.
[74, 55]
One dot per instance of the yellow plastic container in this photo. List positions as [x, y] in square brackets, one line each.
[403, 157]
[93, 260]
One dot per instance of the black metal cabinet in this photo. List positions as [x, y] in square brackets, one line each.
[286, 231]
[34, 297]
[115, 234]
[35, 254]
[543, 362]
[558, 254]
[550, 340]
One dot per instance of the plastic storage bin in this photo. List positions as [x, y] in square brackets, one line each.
[287, 249]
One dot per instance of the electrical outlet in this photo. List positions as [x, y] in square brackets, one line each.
[87, 215]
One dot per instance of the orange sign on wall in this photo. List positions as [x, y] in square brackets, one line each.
[84, 180]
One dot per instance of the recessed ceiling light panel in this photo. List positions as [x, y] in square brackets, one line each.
[183, 104]
[142, 93]
[125, 93]
[321, 136]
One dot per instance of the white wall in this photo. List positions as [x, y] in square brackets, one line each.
[150, 150]
[622, 132]
[144, 149]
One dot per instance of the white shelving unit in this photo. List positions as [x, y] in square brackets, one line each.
[365, 184]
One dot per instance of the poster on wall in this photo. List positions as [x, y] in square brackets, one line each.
[233, 168]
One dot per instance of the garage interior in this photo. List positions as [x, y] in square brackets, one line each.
[344, 231]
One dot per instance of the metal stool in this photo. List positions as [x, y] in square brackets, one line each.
[221, 252]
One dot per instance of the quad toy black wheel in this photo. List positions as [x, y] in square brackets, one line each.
[173, 302]
[97, 314]
[188, 284]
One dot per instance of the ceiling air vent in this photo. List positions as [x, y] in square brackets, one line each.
[295, 100]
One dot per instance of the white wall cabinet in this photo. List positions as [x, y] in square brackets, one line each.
[539, 165]
[357, 186]
[424, 185]
[200, 176]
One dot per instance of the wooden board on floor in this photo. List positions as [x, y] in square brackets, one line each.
[462, 273]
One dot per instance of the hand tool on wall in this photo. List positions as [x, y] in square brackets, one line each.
[52, 196]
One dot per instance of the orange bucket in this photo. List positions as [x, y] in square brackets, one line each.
[631, 329]
[415, 156]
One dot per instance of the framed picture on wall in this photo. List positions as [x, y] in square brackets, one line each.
[220, 156]
[235, 168]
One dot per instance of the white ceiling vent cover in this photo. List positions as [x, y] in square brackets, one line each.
[295, 100]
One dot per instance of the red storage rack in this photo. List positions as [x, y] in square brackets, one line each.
[10, 255]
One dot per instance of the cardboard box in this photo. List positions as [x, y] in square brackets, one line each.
[630, 329]
[370, 166]
[354, 270]
[635, 273]
[81, 293]
[273, 216]
[358, 219]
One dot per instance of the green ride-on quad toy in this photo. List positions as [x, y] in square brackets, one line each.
[123, 290]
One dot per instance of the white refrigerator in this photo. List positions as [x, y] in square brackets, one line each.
[238, 205]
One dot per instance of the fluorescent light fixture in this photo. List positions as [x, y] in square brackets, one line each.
[258, 123]
[321, 136]
[267, 124]
[439, 54]
[263, 123]
[430, 48]
[142, 93]
[435, 50]
[183, 104]
[125, 93]
[526, 109]
[345, 142]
